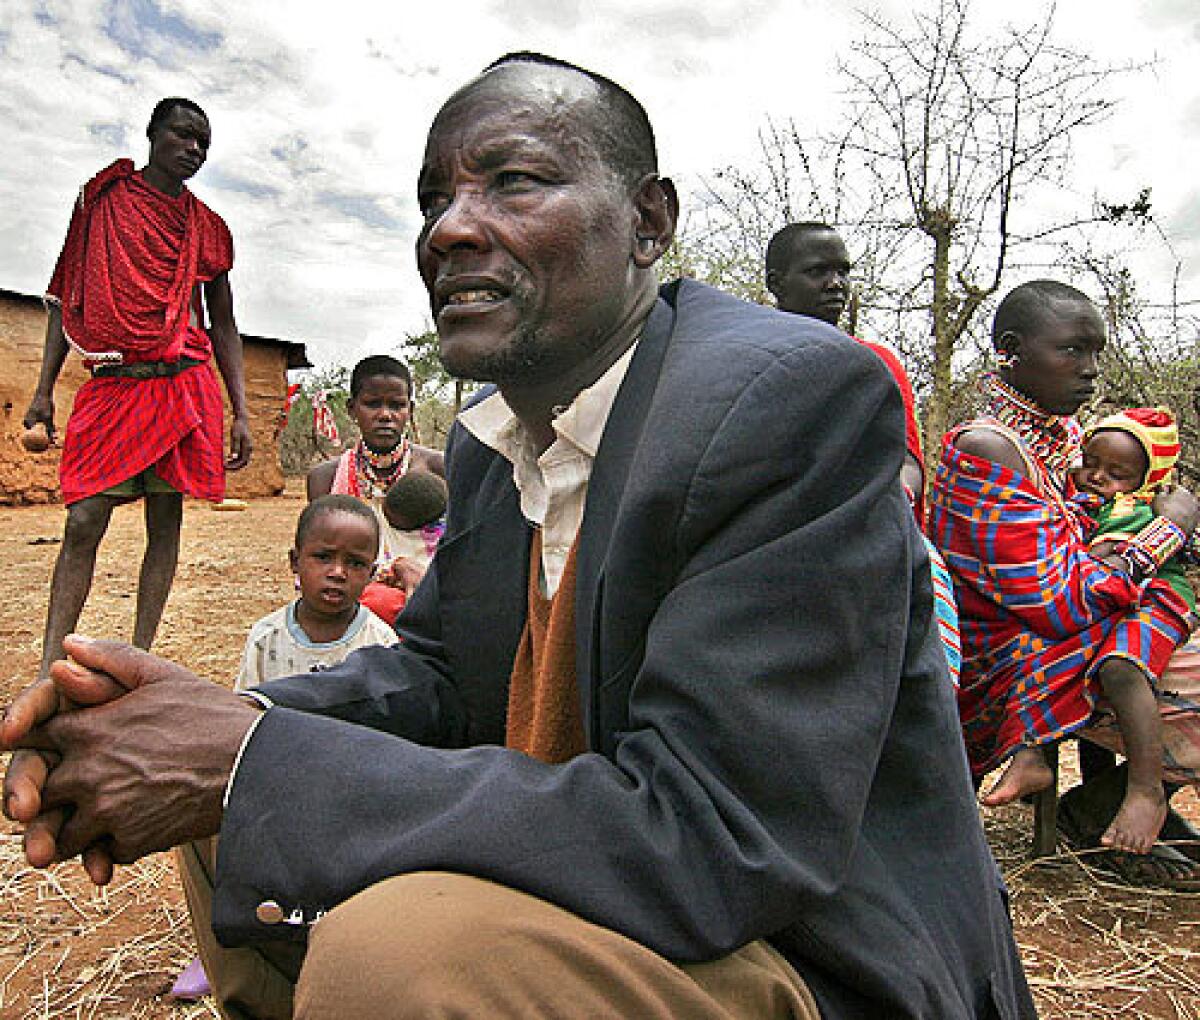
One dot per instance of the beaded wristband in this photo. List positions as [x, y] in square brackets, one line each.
[1138, 565]
[1152, 547]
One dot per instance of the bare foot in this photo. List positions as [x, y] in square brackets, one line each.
[1027, 773]
[1138, 821]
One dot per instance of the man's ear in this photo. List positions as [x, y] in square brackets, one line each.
[656, 211]
[773, 283]
[294, 561]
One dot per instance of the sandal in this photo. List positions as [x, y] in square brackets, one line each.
[1177, 829]
[1163, 867]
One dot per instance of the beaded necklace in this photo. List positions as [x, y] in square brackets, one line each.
[1056, 441]
[375, 472]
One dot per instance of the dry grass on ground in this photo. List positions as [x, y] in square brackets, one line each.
[1092, 949]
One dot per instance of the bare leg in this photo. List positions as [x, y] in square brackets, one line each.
[1026, 773]
[87, 522]
[1144, 809]
[164, 515]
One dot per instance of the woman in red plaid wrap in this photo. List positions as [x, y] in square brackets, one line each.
[142, 261]
[1047, 628]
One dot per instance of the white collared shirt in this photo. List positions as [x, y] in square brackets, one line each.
[553, 486]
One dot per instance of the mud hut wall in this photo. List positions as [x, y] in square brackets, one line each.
[26, 477]
[33, 478]
[265, 368]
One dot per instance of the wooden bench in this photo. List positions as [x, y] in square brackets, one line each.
[1045, 810]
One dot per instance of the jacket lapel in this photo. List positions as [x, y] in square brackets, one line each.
[610, 474]
[483, 574]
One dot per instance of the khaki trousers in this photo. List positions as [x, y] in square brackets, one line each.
[248, 984]
[441, 945]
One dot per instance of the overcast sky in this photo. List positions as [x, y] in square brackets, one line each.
[319, 113]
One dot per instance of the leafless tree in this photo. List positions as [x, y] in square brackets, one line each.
[1153, 353]
[951, 147]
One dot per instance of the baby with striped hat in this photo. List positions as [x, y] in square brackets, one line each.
[1128, 461]
[1127, 458]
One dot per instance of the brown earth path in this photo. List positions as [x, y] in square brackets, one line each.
[1091, 949]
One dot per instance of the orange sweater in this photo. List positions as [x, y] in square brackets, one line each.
[544, 719]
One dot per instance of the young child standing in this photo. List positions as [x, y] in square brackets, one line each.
[333, 559]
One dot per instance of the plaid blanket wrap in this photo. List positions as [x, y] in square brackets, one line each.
[1038, 614]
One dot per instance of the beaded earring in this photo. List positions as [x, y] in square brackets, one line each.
[1007, 359]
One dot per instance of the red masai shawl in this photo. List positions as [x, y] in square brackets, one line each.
[126, 282]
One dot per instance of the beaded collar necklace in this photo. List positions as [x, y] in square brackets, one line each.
[377, 471]
[1055, 440]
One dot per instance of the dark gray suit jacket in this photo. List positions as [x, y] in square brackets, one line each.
[774, 745]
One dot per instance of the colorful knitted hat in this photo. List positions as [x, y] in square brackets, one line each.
[1154, 428]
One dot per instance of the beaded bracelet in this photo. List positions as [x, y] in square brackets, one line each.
[1151, 548]
[1136, 564]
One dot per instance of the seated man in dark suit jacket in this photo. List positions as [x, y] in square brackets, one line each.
[669, 734]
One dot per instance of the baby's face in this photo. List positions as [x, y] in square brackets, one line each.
[1113, 462]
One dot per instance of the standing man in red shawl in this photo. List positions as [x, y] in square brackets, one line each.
[142, 261]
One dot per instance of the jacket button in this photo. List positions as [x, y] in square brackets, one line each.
[269, 912]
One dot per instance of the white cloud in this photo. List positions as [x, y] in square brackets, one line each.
[319, 113]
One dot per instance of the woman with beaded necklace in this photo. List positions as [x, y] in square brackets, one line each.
[1047, 629]
[381, 406]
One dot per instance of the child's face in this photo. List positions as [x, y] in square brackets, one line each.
[1113, 462]
[381, 410]
[334, 563]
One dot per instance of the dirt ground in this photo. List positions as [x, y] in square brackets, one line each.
[1091, 949]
